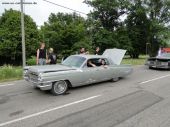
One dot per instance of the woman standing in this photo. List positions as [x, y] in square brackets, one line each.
[52, 59]
[41, 55]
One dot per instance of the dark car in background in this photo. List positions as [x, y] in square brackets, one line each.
[161, 62]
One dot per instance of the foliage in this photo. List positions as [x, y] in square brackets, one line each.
[10, 73]
[159, 17]
[66, 33]
[137, 26]
[107, 12]
[145, 25]
[122, 36]
[147, 21]
[107, 30]
[31, 61]
[10, 36]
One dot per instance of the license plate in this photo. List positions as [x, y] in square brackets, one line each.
[158, 63]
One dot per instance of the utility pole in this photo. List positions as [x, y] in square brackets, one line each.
[23, 35]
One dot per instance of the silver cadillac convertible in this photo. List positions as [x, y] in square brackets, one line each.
[78, 70]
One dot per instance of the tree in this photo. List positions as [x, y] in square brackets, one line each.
[122, 36]
[107, 12]
[137, 26]
[147, 21]
[66, 33]
[10, 33]
[105, 20]
[158, 12]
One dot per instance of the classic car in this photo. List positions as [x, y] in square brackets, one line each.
[77, 70]
[161, 62]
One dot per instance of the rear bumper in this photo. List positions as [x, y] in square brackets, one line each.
[159, 66]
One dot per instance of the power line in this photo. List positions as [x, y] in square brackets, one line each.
[65, 7]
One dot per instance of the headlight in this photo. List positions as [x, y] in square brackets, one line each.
[148, 62]
[40, 77]
[25, 72]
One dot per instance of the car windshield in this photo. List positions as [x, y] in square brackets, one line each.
[74, 61]
[165, 55]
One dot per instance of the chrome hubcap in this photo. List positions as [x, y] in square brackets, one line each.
[60, 87]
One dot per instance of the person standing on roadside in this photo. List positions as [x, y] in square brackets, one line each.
[97, 51]
[160, 51]
[41, 55]
[52, 59]
[82, 51]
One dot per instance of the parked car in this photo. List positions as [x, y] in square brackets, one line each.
[77, 70]
[161, 62]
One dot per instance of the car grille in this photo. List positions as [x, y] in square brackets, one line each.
[33, 77]
[152, 62]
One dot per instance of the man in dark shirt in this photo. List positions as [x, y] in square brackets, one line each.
[82, 51]
[41, 55]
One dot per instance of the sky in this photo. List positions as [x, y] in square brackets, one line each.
[40, 10]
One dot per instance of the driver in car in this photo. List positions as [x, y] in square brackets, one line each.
[103, 63]
[90, 64]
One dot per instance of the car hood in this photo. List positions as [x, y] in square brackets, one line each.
[115, 55]
[48, 68]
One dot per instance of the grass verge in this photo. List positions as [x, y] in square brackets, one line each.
[140, 61]
[10, 73]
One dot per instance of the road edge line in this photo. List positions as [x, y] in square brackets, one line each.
[144, 82]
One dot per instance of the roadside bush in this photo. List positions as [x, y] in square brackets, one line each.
[31, 61]
[9, 72]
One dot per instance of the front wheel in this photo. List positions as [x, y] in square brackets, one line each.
[115, 79]
[59, 87]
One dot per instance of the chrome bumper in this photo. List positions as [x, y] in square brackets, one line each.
[160, 66]
[41, 85]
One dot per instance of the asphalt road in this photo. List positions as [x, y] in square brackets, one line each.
[139, 100]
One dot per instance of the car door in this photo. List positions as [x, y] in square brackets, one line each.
[93, 74]
[84, 76]
[101, 73]
[104, 72]
[88, 75]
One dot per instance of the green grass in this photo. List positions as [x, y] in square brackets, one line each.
[9, 73]
[140, 61]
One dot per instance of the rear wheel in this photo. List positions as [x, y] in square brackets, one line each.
[59, 87]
